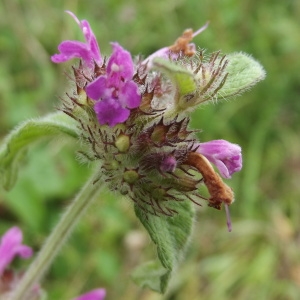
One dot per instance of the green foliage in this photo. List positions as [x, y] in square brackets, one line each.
[220, 78]
[181, 77]
[13, 147]
[171, 237]
[265, 122]
[243, 73]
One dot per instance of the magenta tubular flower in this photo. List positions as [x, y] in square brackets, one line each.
[11, 246]
[97, 294]
[89, 51]
[226, 156]
[115, 93]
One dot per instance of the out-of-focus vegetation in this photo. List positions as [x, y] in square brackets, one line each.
[260, 259]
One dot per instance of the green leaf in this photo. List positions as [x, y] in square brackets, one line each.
[171, 237]
[14, 147]
[243, 73]
[181, 77]
[150, 274]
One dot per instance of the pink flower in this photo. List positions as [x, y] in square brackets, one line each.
[97, 294]
[115, 93]
[89, 51]
[226, 156]
[11, 246]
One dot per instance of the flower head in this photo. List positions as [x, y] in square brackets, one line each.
[11, 246]
[97, 294]
[115, 93]
[149, 156]
[89, 51]
[147, 151]
[226, 156]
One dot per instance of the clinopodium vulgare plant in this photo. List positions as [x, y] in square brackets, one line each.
[131, 118]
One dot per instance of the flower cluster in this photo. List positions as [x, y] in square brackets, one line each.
[134, 121]
[115, 92]
[10, 247]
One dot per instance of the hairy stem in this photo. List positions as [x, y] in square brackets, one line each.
[57, 239]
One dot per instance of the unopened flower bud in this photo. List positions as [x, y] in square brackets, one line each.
[82, 97]
[123, 142]
[159, 134]
[168, 164]
[131, 176]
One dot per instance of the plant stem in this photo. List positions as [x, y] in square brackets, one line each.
[57, 239]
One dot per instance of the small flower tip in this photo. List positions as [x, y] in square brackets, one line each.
[229, 224]
[200, 29]
[73, 16]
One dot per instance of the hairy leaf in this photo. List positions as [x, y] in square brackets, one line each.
[171, 237]
[14, 147]
[181, 77]
[243, 73]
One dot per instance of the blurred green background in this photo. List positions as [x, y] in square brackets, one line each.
[260, 258]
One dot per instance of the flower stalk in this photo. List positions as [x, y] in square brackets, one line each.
[57, 238]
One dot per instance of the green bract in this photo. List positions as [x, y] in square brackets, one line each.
[243, 73]
[198, 80]
[182, 78]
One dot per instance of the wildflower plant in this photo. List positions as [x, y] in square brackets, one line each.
[10, 247]
[131, 117]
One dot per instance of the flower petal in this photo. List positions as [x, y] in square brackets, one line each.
[226, 156]
[11, 246]
[88, 51]
[72, 49]
[91, 41]
[129, 95]
[109, 111]
[97, 294]
[224, 171]
[97, 88]
[120, 65]
[24, 251]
